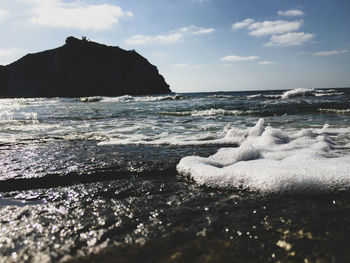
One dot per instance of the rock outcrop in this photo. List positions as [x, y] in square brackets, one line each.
[81, 68]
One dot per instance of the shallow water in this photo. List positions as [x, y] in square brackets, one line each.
[87, 175]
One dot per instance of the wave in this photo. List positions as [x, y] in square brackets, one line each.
[339, 111]
[230, 136]
[298, 93]
[220, 96]
[263, 96]
[329, 94]
[269, 160]
[211, 112]
[91, 99]
[128, 98]
[294, 93]
[310, 92]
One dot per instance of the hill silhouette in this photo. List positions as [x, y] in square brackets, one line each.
[81, 68]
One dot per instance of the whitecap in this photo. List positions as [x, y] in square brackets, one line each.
[128, 98]
[309, 92]
[264, 96]
[298, 93]
[91, 99]
[210, 112]
[220, 96]
[340, 111]
[329, 94]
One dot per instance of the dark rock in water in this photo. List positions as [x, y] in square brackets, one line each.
[81, 68]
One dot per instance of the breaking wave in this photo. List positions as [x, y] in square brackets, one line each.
[295, 93]
[128, 98]
[337, 111]
[298, 93]
[211, 112]
[263, 96]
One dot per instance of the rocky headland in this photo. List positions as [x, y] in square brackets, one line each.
[81, 68]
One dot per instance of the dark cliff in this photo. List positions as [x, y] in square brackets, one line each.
[81, 68]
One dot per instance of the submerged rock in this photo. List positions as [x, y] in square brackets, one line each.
[81, 68]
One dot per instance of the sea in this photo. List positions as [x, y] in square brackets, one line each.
[251, 176]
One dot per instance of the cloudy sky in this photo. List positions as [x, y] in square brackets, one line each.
[198, 45]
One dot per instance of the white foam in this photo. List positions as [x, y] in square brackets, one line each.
[309, 92]
[326, 90]
[335, 110]
[211, 112]
[177, 140]
[91, 99]
[329, 94]
[228, 136]
[297, 93]
[128, 98]
[264, 96]
[220, 96]
[269, 160]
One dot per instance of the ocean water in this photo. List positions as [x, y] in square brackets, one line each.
[262, 176]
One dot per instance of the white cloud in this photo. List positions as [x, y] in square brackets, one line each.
[3, 14]
[266, 62]
[330, 53]
[267, 28]
[75, 15]
[204, 31]
[194, 30]
[289, 13]
[234, 58]
[242, 24]
[171, 37]
[281, 32]
[290, 39]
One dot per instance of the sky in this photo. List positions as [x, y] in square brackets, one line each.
[198, 45]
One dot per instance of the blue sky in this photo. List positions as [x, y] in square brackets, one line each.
[198, 45]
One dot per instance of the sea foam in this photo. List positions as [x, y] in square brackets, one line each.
[228, 136]
[211, 112]
[299, 92]
[336, 111]
[269, 160]
[128, 98]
